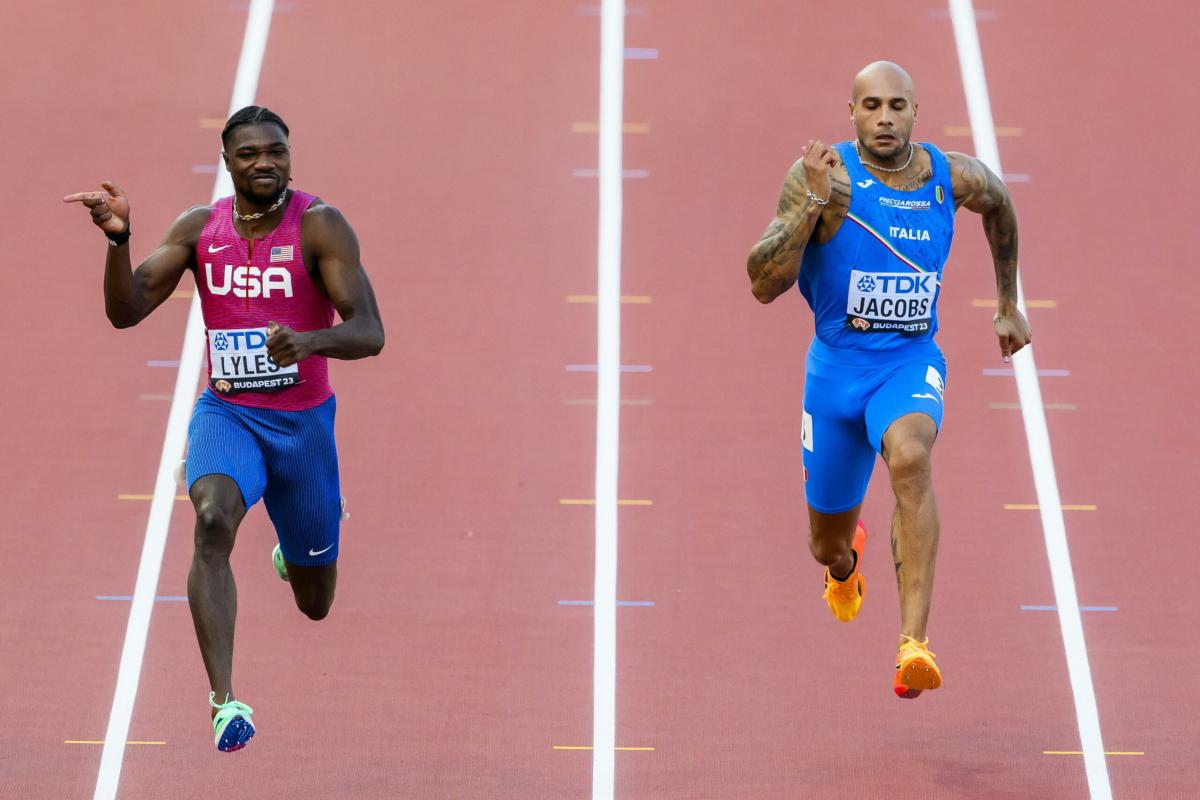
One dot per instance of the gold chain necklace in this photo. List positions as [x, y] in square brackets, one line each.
[911, 150]
[278, 203]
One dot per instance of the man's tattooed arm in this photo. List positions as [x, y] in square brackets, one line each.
[774, 262]
[977, 189]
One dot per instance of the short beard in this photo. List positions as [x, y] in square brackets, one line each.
[901, 150]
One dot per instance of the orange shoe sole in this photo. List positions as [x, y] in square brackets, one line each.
[916, 674]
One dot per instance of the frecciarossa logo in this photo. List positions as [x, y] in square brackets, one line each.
[244, 281]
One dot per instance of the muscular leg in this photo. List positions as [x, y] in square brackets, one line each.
[313, 588]
[907, 445]
[212, 594]
[830, 537]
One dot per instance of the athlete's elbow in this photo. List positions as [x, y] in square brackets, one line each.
[375, 342]
[763, 292]
[122, 318]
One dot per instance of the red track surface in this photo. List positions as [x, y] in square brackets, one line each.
[447, 669]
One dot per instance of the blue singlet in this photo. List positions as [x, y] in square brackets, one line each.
[873, 289]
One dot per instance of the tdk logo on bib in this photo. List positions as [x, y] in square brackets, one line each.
[250, 281]
[240, 363]
[882, 302]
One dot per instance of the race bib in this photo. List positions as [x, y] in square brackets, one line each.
[240, 363]
[891, 302]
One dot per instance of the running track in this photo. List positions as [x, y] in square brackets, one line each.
[448, 668]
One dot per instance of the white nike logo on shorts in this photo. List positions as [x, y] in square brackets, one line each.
[312, 552]
[212, 249]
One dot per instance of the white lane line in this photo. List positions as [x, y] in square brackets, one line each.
[987, 149]
[608, 399]
[254, 44]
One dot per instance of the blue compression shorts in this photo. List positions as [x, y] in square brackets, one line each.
[286, 458]
[850, 399]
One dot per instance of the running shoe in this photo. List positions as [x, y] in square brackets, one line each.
[845, 597]
[915, 670]
[232, 727]
[280, 564]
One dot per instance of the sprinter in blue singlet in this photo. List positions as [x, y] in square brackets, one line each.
[863, 229]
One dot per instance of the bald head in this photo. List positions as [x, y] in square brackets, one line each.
[882, 79]
[884, 111]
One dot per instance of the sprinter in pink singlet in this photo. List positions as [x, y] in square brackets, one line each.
[271, 264]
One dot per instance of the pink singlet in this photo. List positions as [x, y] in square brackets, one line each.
[242, 287]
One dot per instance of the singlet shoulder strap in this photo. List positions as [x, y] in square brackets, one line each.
[941, 168]
[854, 167]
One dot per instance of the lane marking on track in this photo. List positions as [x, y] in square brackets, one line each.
[1028, 303]
[1080, 752]
[149, 496]
[594, 127]
[568, 501]
[161, 598]
[133, 651]
[1017, 177]
[181, 294]
[608, 397]
[589, 747]
[981, 14]
[594, 11]
[631, 299]
[641, 53]
[1081, 608]
[205, 169]
[1047, 406]
[994, 372]
[965, 130]
[595, 173]
[596, 368]
[633, 603]
[1037, 507]
[166, 363]
[591, 401]
[987, 149]
[101, 741]
[212, 123]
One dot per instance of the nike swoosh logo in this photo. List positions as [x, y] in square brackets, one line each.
[212, 249]
[312, 552]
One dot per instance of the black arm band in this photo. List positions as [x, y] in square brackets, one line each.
[118, 239]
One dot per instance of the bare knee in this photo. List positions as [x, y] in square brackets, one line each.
[313, 606]
[827, 551]
[215, 529]
[909, 466]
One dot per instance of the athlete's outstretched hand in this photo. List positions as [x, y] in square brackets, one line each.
[286, 346]
[818, 159]
[109, 207]
[1013, 331]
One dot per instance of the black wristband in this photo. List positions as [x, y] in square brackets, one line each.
[118, 239]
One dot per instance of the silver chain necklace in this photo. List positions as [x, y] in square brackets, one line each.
[911, 150]
[279, 202]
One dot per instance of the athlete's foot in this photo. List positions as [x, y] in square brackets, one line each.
[232, 727]
[915, 670]
[845, 596]
[278, 562]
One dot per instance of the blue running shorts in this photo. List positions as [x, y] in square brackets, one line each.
[850, 399]
[287, 458]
